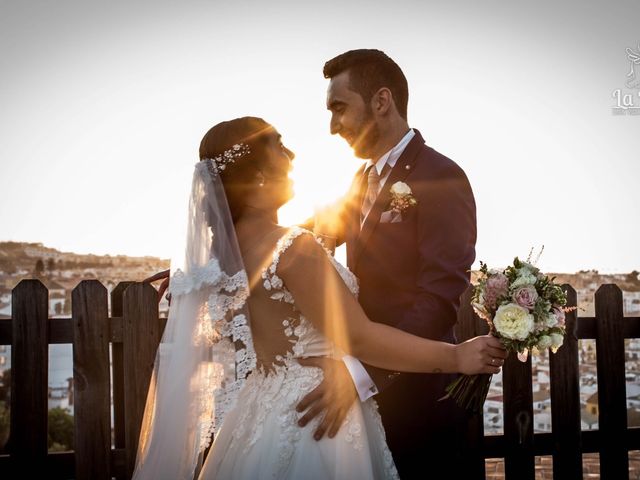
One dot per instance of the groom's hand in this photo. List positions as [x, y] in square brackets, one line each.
[333, 397]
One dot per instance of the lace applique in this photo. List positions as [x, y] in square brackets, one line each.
[354, 431]
[271, 281]
[278, 391]
[234, 348]
[387, 456]
[233, 355]
[209, 274]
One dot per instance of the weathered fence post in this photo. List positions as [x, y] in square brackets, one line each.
[612, 402]
[519, 460]
[141, 337]
[470, 325]
[29, 373]
[117, 295]
[92, 402]
[565, 400]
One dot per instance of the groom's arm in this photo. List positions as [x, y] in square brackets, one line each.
[328, 222]
[333, 220]
[446, 229]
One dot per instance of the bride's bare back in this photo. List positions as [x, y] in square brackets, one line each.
[271, 343]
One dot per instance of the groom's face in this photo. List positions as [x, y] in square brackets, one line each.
[351, 117]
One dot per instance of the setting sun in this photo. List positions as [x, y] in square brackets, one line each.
[323, 171]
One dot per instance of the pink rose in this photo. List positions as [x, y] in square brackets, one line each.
[526, 297]
[497, 286]
[559, 313]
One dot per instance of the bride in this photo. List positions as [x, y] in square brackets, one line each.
[249, 299]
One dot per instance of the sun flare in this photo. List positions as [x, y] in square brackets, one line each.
[322, 173]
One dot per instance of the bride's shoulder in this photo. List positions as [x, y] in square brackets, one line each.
[296, 244]
[289, 234]
[300, 255]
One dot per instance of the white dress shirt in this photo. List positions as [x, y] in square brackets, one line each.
[390, 158]
[361, 379]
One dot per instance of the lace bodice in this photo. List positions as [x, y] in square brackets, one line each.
[302, 338]
[277, 385]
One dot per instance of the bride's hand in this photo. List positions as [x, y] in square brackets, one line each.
[484, 354]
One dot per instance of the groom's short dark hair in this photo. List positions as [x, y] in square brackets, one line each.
[369, 71]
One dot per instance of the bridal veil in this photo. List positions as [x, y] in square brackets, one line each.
[206, 350]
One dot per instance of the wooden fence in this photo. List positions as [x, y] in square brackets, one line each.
[132, 332]
[566, 443]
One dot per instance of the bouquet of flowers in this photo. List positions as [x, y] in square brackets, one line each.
[525, 309]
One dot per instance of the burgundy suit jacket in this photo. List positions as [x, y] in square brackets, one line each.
[412, 273]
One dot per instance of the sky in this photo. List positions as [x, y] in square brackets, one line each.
[104, 104]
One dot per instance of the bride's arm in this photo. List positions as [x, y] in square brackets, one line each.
[324, 299]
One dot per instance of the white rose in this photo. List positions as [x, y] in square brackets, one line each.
[551, 320]
[400, 188]
[513, 321]
[556, 341]
[544, 342]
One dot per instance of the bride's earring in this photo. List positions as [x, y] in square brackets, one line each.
[261, 184]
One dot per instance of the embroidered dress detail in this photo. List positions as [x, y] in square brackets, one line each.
[266, 419]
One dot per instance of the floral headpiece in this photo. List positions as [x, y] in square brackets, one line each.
[218, 163]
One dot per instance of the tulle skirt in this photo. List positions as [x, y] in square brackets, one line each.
[260, 437]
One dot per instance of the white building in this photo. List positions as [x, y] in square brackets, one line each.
[631, 303]
[40, 252]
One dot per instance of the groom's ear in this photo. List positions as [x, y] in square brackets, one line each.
[382, 101]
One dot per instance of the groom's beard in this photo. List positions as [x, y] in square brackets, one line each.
[368, 136]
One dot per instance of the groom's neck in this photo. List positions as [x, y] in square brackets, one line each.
[390, 136]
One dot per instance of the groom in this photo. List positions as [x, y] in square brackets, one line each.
[409, 224]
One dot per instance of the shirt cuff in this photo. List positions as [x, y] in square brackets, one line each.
[361, 379]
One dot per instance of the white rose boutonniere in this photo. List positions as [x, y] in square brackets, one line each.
[401, 197]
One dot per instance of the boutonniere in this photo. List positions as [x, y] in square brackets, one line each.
[401, 197]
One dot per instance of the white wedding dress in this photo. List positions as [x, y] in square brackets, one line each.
[260, 438]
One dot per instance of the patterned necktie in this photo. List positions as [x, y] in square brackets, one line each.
[373, 185]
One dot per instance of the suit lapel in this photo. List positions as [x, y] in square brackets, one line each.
[401, 169]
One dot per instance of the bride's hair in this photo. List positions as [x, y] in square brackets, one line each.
[240, 176]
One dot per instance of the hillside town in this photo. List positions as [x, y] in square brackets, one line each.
[60, 272]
